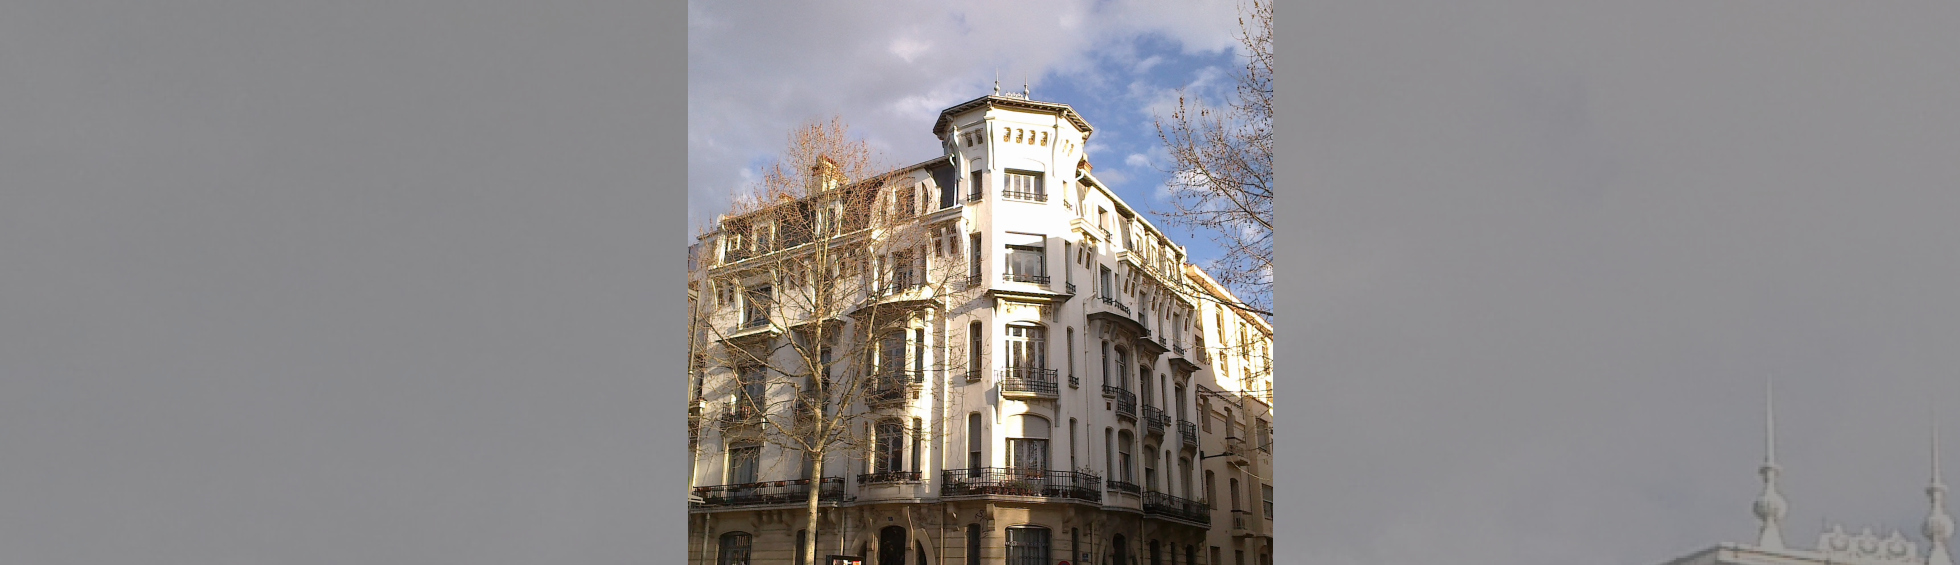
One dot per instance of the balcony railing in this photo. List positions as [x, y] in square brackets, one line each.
[1154, 420]
[1074, 382]
[1112, 301]
[830, 489]
[892, 385]
[1188, 432]
[1126, 403]
[888, 477]
[751, 324]
[1238, 519]
[1071, 288]
[1010, 481]
[1121, 486]
[898, 286]
[1024, 195]
[739, 413]
[1160, 504]
[1179, 348]
[1024, 277]
[1026, 381]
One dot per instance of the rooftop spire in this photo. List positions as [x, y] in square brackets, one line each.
[1939, 526]
[1770, 506]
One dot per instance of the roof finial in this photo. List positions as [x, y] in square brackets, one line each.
[996, 82]
[1939, 526]
[1024, 85]
[1770, 506]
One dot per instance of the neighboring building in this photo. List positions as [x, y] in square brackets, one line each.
[1835, 546]
[1235, 400]
[1048, 364]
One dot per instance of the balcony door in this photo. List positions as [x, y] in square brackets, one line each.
[1027, 348]
[1029, 450]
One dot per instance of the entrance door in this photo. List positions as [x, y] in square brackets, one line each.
[891, 546]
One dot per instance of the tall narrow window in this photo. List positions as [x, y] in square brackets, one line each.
[918, 439]
[802, 545]
[918, 353]
[1122, 369]
[758, 306]
[1234, 493]
[974, 347]
[1108, 289]
[1264, 438]
[973, 259]
[744, 461]
[1109, 452]
[908, 201]
[976, 188]
[751, 397]
[973, 442]
[1071, 355]
[1123, 457]
[1211, 488]
[1266, 496]
[973, 536]
[1105, 363]
[1184, 477]
[1071, 445]
[734, 549]
[890, 450]
[1068, 270]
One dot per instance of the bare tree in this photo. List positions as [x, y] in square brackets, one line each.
[1221, 178]
[828, 293]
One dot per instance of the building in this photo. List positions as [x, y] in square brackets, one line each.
[1835, 545]
[1235, 402]
[1014, 377]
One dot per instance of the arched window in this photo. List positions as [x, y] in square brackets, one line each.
[1027, 545]
[974, 461]
[734, 549]
[1029, 451]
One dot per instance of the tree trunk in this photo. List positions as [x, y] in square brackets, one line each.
[816, 490]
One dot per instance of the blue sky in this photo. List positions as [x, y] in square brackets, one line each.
[753, 74]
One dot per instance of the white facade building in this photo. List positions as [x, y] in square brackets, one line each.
[1045, 360]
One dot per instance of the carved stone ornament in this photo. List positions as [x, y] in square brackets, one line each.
[1867, 546]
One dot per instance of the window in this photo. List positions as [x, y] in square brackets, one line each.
[1122, 369]
[975, 188]
[1071, 353]
[918, 435]
[1030, 451]
[1023, 185]
[743, 462]
[1027, 351]
[890, 450]
[973, 439]
[1108, 290]
[1156, 554]
[974, 364]
[758, 305]
[1071, 445]
[973, 259]
[1214, 556]
[809, 467]
[1265, 437]
[1027, 545]
[1068, 274]
[1191, 555]
[1211, 487]
[1109, 454]
[1105, 363]
[908, 200]
[1123, 456]
[802, 545]
[1150, 471]
[753, 392]
[972, 544]
[1102, 218]
[1075, 543]
[1027, 259]
[1184, 477]
[1266, 491]
[1234, 493]
[919, 352]
[1204, 413]
[734, 548]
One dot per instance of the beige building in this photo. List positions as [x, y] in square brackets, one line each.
[1235, 402]
[1034, 396]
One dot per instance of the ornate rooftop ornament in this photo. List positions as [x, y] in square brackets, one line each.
[1867, 546]
[1770, 506]
[1939, 526]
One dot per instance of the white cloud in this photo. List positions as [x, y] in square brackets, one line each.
[754, 73]
[1137, 161]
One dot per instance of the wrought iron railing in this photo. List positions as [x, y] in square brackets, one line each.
[1034, 381]
[1154, 419]
[1238, 519]
[739, 413]
[892, 385]
[1024, 277]
[1024, 195]
[1071, 288]
[1118, 304]
[1188, 432]
[1011, 481]
[1161, 504]
[888, 477]
[1126, 404]
[830, 489]
[1123, 486]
